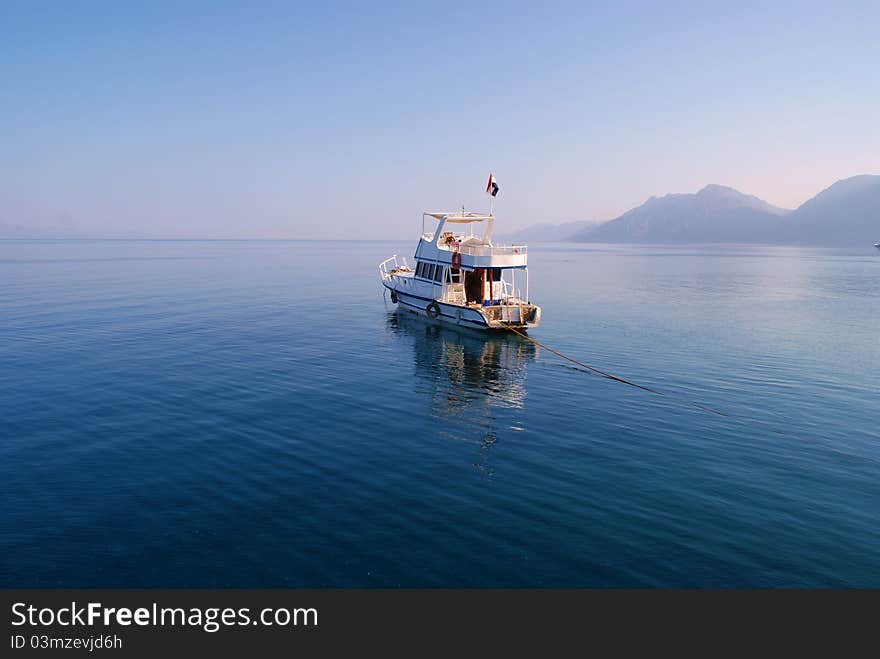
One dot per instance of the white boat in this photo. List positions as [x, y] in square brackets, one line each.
[464, 279]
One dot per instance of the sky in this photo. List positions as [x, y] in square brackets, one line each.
[335, 120]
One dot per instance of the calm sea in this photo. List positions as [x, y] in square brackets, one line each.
[254, 414]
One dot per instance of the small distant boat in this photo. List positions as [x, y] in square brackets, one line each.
[877, 245]
[464, 279]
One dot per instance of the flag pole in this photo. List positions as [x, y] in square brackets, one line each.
[489, 191]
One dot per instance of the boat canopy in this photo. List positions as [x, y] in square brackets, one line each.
[460, 217]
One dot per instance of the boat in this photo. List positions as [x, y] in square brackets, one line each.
[462, 278]
[877, 245]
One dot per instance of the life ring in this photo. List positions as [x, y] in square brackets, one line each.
[394, 296]
[456, 259]
[433, 310]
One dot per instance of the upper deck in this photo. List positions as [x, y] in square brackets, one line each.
[475, 251]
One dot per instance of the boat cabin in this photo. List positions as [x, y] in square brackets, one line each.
[464, 263]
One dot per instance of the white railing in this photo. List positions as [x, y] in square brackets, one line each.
[512, 308]
[399, 263]
[455, 293]
[495, 250]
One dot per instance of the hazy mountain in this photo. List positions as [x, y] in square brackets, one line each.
[10, 230]
[549, 232]
[57, 226]
[58, 230]
[847, 213]
[715, 214]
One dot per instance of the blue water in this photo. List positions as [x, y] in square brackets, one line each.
[253, 414]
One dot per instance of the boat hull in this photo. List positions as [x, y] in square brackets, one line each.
[453, 314]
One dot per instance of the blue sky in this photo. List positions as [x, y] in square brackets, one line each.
[334, 120]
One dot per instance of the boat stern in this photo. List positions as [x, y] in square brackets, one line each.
[522, 316]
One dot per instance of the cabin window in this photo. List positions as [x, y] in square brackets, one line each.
[495, 273]
[438, 276]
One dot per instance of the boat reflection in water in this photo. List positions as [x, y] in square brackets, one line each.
[470, 373]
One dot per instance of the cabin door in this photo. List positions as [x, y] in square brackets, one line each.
[473, 286]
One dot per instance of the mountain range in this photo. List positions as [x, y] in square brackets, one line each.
[845, 214]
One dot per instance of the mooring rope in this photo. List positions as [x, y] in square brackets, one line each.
[611, 376]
